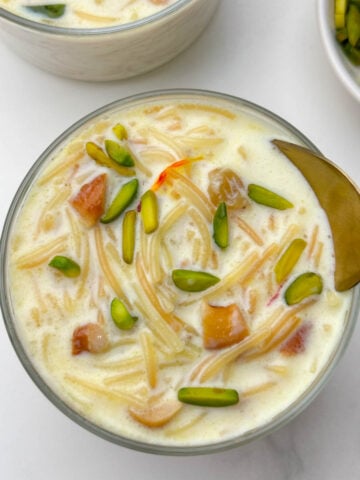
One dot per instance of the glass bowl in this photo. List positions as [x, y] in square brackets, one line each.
[108, 53]
[222, 101]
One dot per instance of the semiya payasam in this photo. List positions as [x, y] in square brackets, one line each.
[205, 303]
[85, 13]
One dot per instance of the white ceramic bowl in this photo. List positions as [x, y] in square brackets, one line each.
[108, 53]
[346, 71]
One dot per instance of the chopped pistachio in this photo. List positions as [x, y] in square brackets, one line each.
[119, 154]
[128, 236]
[149, 211]
[100, 157]
[120, 315]
[304, 286]
[289, 259]
[122, 200]
[268, 198]
[208, 396]
[66, 266]
[221, 226]
[120, 131]
[51, 11]
[193, 281]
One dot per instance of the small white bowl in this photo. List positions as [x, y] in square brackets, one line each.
[346, 71]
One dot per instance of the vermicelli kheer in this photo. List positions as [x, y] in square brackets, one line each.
[169, 260]
[85, 13]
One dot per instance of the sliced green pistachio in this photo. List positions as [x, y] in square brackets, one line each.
[66, 266]
[353, 25]
[100, 157]
[193, 281]
[221, 226]
[149, 211]
[289, 259]
[120, 131]
[119, 154]
[121, 316]
[304, 286]
[128, 236]
[208, 396]
[122, 200]
[266, 197]
[51, 11]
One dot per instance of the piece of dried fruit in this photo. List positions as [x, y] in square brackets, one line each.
[208, 396]
[268, 198]
[297, 342]
[226, 186]
[156, 415]
[221, 226]
[119, 154]
[149, 211]
[303, 286]
[120, 315]
[128, 236]
[289, 259]
[122, 200]
[89, 338]
[100, 157]
[223, 326]
[193, 281]
[66, 266]
[89, 202]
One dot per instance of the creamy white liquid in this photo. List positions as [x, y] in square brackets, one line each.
[48, 306]
[89, 13]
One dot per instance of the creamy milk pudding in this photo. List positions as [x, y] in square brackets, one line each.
[172, 273]
[102, 40]
[85, 13]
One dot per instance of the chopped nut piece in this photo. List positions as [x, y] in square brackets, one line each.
[89, 338]
[303, 286]
[297, 342]
[123, 198]
[266, 197]
[66, 266]
[289, 259]
[157, 415]
[223, 326]
[90, 201]
[208, 396]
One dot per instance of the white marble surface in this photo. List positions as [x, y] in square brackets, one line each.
[266, 52]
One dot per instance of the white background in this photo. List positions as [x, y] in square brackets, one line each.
[268, 52]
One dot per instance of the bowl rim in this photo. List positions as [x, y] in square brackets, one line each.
[94, 31]
[276, 422]
[338, 60]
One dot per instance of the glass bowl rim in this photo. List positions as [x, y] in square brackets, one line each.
[279, 420]
[84, 32]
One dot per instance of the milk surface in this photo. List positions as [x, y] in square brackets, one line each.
[49, 307]
[89, 14]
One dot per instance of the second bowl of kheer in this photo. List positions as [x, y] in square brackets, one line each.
[102, 40]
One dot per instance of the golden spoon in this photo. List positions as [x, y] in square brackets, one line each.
[340, 198]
